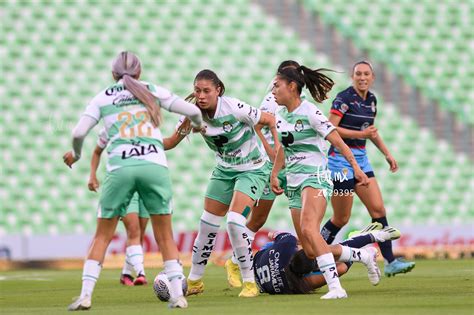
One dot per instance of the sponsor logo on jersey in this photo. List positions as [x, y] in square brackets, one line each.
[373, 107]
[139, 151]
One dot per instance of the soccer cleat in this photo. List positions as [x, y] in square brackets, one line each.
[339, 293]
[81, 304]
[233, 274]
[397, 266]
[374, 226]
[179, 302]
[194, 286]
[388, 233]
[373, 270]
[140, 280]
[250, 290]
[126, 280]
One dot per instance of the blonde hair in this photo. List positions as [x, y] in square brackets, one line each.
[127, 66]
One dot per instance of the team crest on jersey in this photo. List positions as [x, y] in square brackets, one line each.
[266, 190]
[345, 171]
[299, 126]
[373, 107]
[344, 108]
[227, 126]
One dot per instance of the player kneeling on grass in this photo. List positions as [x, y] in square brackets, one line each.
[280, 267]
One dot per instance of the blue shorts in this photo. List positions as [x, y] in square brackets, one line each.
[342, 173]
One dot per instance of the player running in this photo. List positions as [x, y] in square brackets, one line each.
[260, 213]
[353, 112]
[135, 218]
[303, 130]
[238, 180]
[136, 163]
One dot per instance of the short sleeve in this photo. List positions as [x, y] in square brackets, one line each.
[93, 109]
[268, 104]
[320, 123]
[165, 96]
[245, 113]
[339, 106]
[103, 139]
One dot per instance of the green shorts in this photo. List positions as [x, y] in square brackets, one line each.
[268, 194]
[224, 182]
[294, 193]
[136, 206]
[152, 182]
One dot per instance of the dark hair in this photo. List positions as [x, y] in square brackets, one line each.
[362, 62]
[300, 264]
[210, 75]
[288, 64]
[315, 81]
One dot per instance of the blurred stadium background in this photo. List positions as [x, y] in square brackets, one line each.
[56, 56]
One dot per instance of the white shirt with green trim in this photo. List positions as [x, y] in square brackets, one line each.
[133, 139]
[231, 135]
[302, 134]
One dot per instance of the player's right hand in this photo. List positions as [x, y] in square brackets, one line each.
[275, 184]
[93, 184]
[370, 132]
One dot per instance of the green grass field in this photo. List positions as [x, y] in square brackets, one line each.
[433, 287]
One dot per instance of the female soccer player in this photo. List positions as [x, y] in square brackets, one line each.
[353, 113]
[303, 130]
[260, 213]
[136, 163]
[237, 181]
[281, 268]
[135, 217]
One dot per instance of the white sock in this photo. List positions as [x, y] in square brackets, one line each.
[350, 254]
[135, 258]
[90, 275]
[174, 272]
[204, 244]
[241, 244]
[328, 268]
[127, 267]
[251, 235]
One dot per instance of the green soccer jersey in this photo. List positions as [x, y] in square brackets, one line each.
[302, 134]
[231, 136]
[132, 138]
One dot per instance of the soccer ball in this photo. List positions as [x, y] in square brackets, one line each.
[161, 286]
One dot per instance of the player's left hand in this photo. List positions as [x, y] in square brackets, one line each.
[392, 162]
[361, 178]
[69, 159]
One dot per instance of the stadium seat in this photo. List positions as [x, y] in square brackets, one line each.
[49, 77]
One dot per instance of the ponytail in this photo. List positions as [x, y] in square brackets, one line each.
[127, 67]
[315, 81]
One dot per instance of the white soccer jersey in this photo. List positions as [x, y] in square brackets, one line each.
[269, 105]
[231, 135]
[302, 134]
[132, 138]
